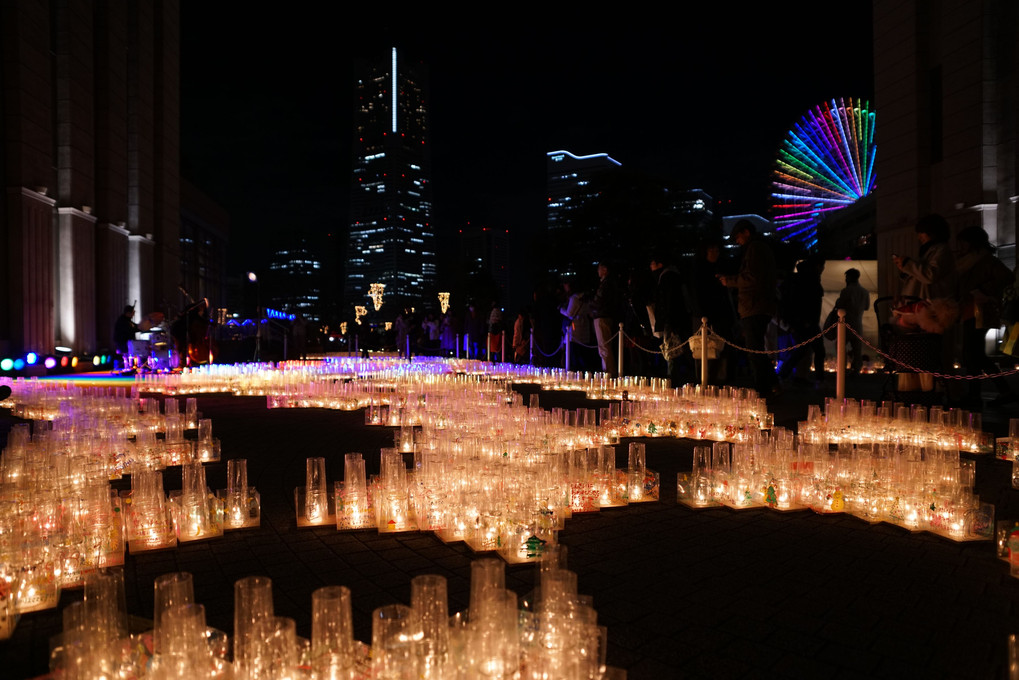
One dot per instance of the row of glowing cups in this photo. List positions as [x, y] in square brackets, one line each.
[60, 518]
[513, 505]
[551, 632]
[918, 488]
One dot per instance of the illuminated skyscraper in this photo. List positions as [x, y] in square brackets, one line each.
[296, 278]
[569, 184]
[392, 239]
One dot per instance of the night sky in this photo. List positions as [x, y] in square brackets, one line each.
[705, 99]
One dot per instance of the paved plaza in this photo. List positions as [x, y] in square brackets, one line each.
[712, 593]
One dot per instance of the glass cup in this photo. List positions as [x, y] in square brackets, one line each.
[171, 590]
[396, 643]
[332, 632]
[428, 598]
[252, 606]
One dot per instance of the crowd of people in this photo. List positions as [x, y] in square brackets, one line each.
[959, 293]
[767, 309]
[961, 287]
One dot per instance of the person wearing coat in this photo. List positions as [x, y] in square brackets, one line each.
[982, 279]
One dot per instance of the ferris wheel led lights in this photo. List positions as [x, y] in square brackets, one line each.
[826, 163]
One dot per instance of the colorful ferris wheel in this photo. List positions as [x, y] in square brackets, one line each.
[826, 163]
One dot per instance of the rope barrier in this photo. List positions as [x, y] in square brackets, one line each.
[554, 352]
[659, 352]
[914, 369]
[715, 336]
[596, 346]
[774, 351]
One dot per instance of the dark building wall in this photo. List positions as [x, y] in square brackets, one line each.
[165, 133]
[204, 235]
[946, 93]
[90, 151]
[28, 143]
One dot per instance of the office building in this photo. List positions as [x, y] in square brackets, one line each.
[296, 279]
[570, 185]
[392, 239]
[204, 237]
[484, 257]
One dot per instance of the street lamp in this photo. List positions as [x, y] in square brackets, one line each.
[253, 278]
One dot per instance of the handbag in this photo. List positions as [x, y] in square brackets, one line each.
[1009, 345]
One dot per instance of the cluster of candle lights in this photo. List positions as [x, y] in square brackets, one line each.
[552, 632]
[918, 487]
[60, 520]
[869, 422]
[505, 493]
[494, 497]
[486, 470]
[894, 463]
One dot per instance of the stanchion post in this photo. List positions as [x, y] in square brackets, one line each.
[567, 338]
[532, 347]
[408, 348]
[502, 346]
[840, 353]
[619, 363]
[488, 347]
[704, 351]
[457, 343]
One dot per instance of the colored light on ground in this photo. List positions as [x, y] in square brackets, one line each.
[95, 360]
[31, 358]
[64, 362]
[19, 364]
[6, 364]
[50, 362]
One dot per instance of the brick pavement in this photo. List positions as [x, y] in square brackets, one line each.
[712, 593]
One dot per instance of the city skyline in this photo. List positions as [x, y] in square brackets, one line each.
[706, 105]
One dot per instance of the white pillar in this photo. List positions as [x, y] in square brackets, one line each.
[568, 338]
[704, 351]
[619, 371]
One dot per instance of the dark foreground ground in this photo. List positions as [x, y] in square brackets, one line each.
[699, 594]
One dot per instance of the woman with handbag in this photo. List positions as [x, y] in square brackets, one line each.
[930, 278]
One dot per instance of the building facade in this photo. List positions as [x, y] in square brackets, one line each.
[90, 215]
[392, 239]
[296, 278]
[946, 80]
[569, 184]
[484, 256]
[204, 237]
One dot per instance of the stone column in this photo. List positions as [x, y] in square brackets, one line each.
[31, 274]
[76, 285]
[112, 288]
[140, 263]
